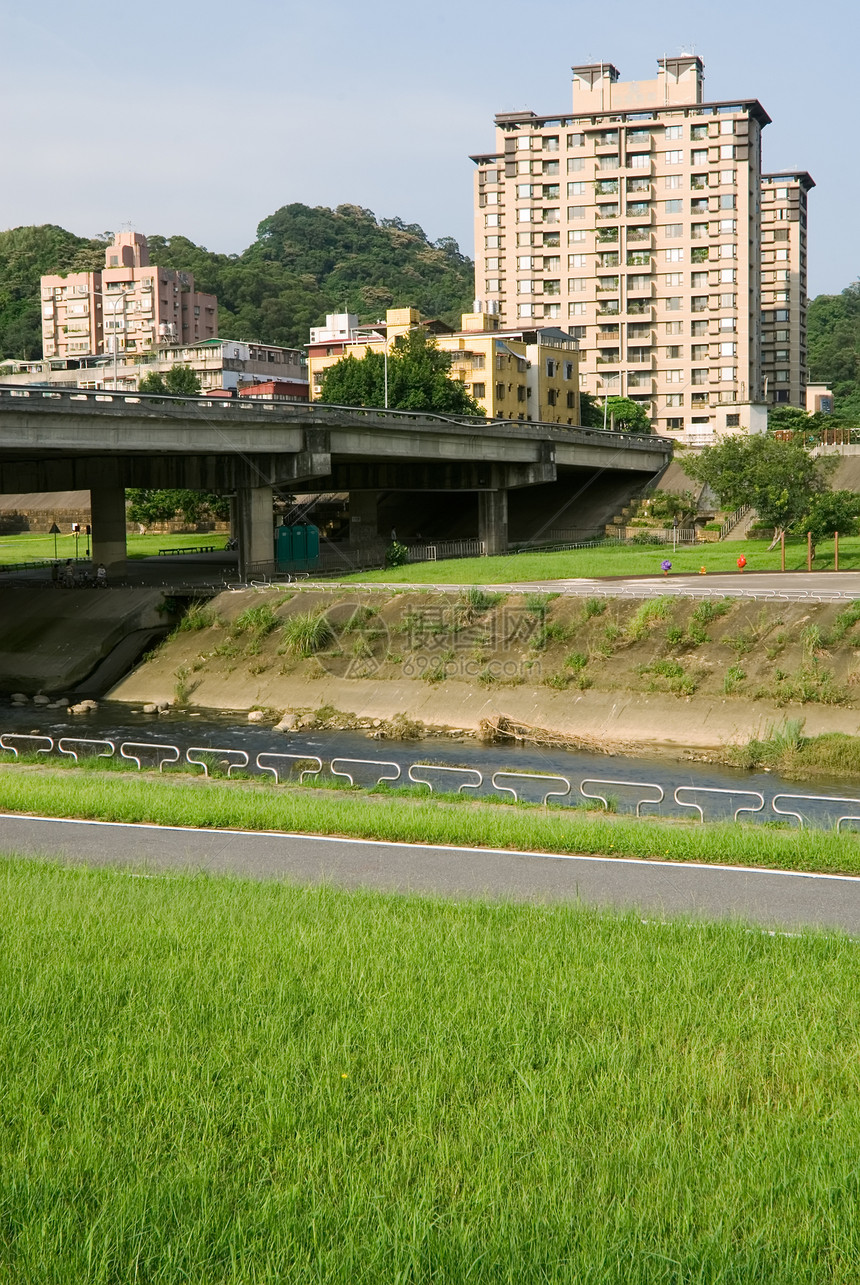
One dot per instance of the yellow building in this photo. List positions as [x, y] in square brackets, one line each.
[529, 374]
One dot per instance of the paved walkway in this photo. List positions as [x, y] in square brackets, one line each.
[790, 586]
[774, 899]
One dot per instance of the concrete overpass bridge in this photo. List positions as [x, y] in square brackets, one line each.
[53, 440]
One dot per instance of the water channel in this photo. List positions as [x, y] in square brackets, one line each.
[518, 768]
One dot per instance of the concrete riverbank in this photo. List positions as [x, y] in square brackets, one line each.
[613, 675]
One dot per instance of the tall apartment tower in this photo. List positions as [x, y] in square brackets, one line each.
[129, 306]
[783, 286]
[635, 221]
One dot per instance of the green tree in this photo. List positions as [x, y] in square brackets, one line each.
[788, 418]
[833, 330]
[590, 411]
[417, 379]
[181, 381]
[828, 512]
[150, 506]
[777, 478]
[630, 417]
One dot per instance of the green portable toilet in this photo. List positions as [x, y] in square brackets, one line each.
[298, 547]
[284, 549]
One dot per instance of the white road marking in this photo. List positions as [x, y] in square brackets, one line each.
[438, 847]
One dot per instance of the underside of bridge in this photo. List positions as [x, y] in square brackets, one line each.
[497, 504]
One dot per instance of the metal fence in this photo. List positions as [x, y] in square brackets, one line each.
[708, 802]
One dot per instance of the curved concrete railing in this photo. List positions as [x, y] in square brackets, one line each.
[503, 780]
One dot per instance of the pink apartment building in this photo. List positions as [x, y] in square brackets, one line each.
[129, 306]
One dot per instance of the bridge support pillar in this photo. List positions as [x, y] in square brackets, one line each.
[107, 508]
[493, 521]
[255, 529]
[363, 518]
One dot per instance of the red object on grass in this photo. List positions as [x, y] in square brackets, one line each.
[741, 562]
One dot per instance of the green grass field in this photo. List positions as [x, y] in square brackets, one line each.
[33, 548]
[162, 800]
[616, 560]
[207, 1080]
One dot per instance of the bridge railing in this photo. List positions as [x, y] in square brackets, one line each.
[206, 408]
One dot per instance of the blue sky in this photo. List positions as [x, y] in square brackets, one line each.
[201, 119]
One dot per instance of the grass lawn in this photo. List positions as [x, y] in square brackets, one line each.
[616, 560]
[208, 1080]
[416, 818]
[33, 548]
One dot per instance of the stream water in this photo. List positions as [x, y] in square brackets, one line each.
[623, 776]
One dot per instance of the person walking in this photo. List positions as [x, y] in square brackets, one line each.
[69, 574]
[101, 576]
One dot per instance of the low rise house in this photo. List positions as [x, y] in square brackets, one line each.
[529, 373]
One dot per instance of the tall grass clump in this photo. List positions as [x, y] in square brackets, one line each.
[702, 616]
[646, 615]
[198, 616]
[843, 624]
[306, 633]
[536, 604]
[478, 601]
[259, 620]
[183, 686]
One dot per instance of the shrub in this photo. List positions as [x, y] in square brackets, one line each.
[396, 555]
[593, 607]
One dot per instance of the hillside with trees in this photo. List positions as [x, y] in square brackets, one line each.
[833, 334]
[304, 263]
